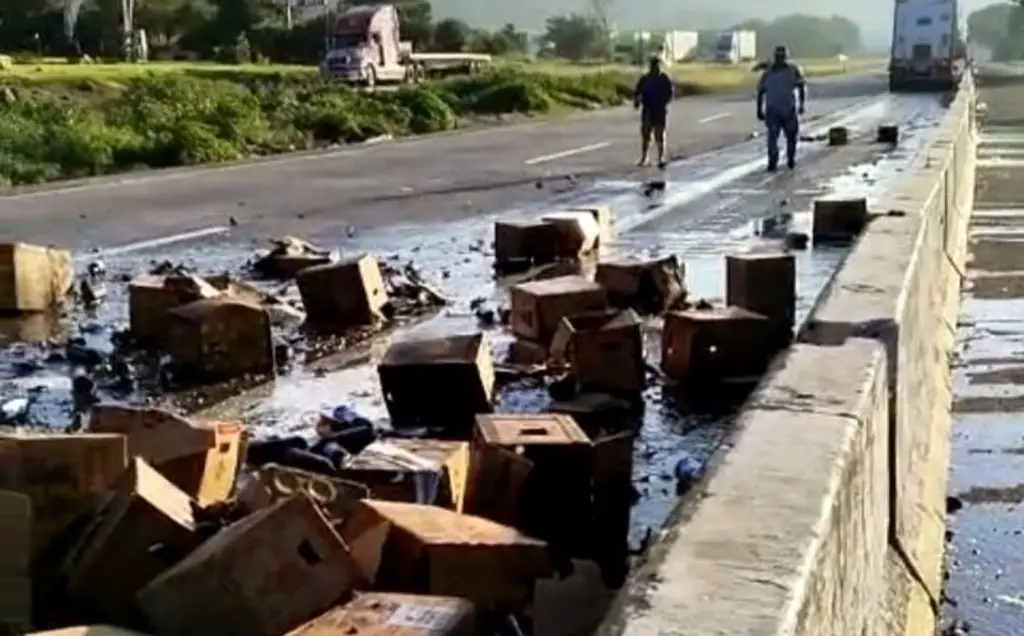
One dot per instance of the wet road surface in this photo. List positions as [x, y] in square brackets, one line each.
[433, 178]
[711, 208]
[985, 556]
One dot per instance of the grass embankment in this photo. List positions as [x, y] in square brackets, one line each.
[61, 121]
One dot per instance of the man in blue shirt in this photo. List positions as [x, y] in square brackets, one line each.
[781, 86]
[652, 96]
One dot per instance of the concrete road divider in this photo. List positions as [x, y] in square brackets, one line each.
[827, 515]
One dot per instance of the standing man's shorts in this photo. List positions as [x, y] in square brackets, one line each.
[653, 123]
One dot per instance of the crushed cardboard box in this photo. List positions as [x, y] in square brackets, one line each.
[391, 614]
[648, 286]
[149, 524]
[539, 306]
[604, 350]
[438, 383]
[425, 471]
[33, 278]
[264, 576]
[431, 550]
[202, 459]
[220, 338]
[288, 256]
[63, 475]
[271, 484]
[15, 562]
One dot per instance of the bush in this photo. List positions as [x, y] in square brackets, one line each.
[169, 120]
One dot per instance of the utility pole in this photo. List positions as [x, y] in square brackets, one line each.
[289, 21]
[127, 27]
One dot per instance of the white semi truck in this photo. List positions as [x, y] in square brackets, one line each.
[926, 52]
[679, 46]
[365, 48]
[734, 47]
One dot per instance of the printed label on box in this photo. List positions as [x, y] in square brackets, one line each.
[428, 618]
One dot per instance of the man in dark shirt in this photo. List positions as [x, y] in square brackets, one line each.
[652, 96]
[781, 97]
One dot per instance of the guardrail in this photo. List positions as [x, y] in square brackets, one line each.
[827, 515]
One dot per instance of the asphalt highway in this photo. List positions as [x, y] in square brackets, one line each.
[424, 179]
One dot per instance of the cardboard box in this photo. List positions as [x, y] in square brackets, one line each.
[523, 244]
[220, 339]
[576, 232]
[426, 471]
[148, 524]
[707, 345]
[838, 220]
[430, 550]
[63, 475]
[15, 562]
[335, 497]
[389, 614]
[289, 256]
[202, 459]
[649, 287]
[764, 283]
[262, 576]
[603, 216]
[33, 278]
[151, 297]
[497, 479]
[604, 349]
[89, 630]
[440, 383]
[838, 136]
[342, 295]
[539, 306]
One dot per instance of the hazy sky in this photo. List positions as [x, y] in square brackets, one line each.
[873, 16]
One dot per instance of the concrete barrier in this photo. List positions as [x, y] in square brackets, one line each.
[827, 516]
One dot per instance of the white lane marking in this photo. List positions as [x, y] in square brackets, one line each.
[567, 153]
[159, 242]
[708, 120]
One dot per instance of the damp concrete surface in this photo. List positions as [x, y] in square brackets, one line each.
[694, 219]
[984, 593]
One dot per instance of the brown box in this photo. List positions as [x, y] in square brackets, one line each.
[576, 232]
[430, 550]
[838, 136]
[707, 345]
[203, 460]
[523, 243]
[116, 557]
[15, 562]
[289, 256]
[838, 220]
[221, 339]
[888, 134]
[262, 576]
[764, 283]
[33, 278]
[441, 382]
[538, 307]
[604, 349]
[151, 297]
[603, 215]
[342, 295]
[649, 287]
[63, 475]
[389, 614]
[426, 471]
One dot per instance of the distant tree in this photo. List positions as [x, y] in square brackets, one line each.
[806, 35]
[505, 41]
[452, 35]
[999, 28]
[577, 37]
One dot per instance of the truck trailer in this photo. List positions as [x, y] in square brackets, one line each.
[925, 54]
[679, 46]
[733, 47]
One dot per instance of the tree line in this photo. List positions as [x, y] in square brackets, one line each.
[999, 28]
[253, 30]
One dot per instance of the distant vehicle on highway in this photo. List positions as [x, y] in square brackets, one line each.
[365, 48]
[733, 47]
[927, 52]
